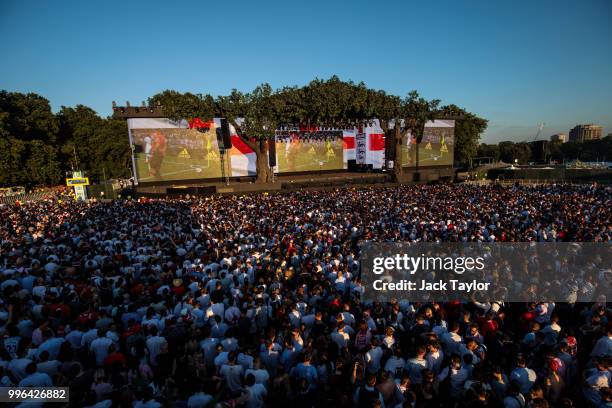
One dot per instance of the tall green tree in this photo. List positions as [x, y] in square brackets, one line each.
[28, 140]
[93, 144]
[41, 164]
[488, 150]
[255, 117]
[468, 129]
[510, 152]
[12, 156]
[186, 105]
[398, 117]
[27, 117]
[417, 112]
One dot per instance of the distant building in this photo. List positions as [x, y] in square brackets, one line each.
[580, 133]
[559, 137]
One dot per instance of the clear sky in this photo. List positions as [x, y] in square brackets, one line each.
[516, 63]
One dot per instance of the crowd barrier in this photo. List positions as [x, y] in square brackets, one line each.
[527, 182]
[22, 198]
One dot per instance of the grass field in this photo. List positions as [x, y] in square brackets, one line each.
[427, 157]
[179, 168]
[307, 158]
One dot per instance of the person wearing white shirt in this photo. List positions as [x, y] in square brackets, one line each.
[452, 340]
[416, 365]
[35, 379]
[232, 314]
[288, 356]
[89, 336]
[218, 328]
[596, 379]
[221, 358]
[257, 392]
[295, 316]
[347, 317]
[209, 346]
[551, 332]
[230, 343]
[200, 400]
[514, 399]
[245, 360]
[340, 337]
[374, 356]
[147, 400]
[434, 357]
[471, 348]
[261, 375]
[232, 374]
[51, 344]
[395, 364]
[603, 346]
[458, 376]
[154, 345]
[74, 337]
[17, 368]
[49, 367]
[217, 309]
[100, 347]
[523, 375]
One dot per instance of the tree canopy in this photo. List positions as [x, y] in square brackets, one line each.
[38, 146]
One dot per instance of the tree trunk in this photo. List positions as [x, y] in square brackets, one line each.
[397, 162]
[260, 147]
[264, 173]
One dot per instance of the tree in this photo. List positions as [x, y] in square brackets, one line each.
[77, 127]
[468, 128]
[488, 150]
[28, 139]
[95, 145]
[111, 154]
[511, 152]
[185, 105]
[255, 117]
[27, 117]
[41, 164]
[12, 155]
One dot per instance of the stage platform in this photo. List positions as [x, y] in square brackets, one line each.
[281, 183]
[292, 182]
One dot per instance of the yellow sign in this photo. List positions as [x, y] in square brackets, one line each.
[184, 154]
[77, 181]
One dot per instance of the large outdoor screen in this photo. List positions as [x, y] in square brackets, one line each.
[309, 151]
[166, 150]
[175, 154]
[436, 148]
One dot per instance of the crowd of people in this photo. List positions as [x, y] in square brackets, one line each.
[256, 301]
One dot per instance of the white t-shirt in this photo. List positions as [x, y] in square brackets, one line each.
[233, 376]
[199, 400]
[373, 357]
[514, 401]
[525, 376]
[154, 345]
[100, 348]
[261, 376]
[36, 380]
[603, 347]
[257, 393]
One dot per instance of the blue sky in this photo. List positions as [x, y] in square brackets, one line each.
[516, 63]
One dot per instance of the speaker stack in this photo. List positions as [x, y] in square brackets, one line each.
[223, 135]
